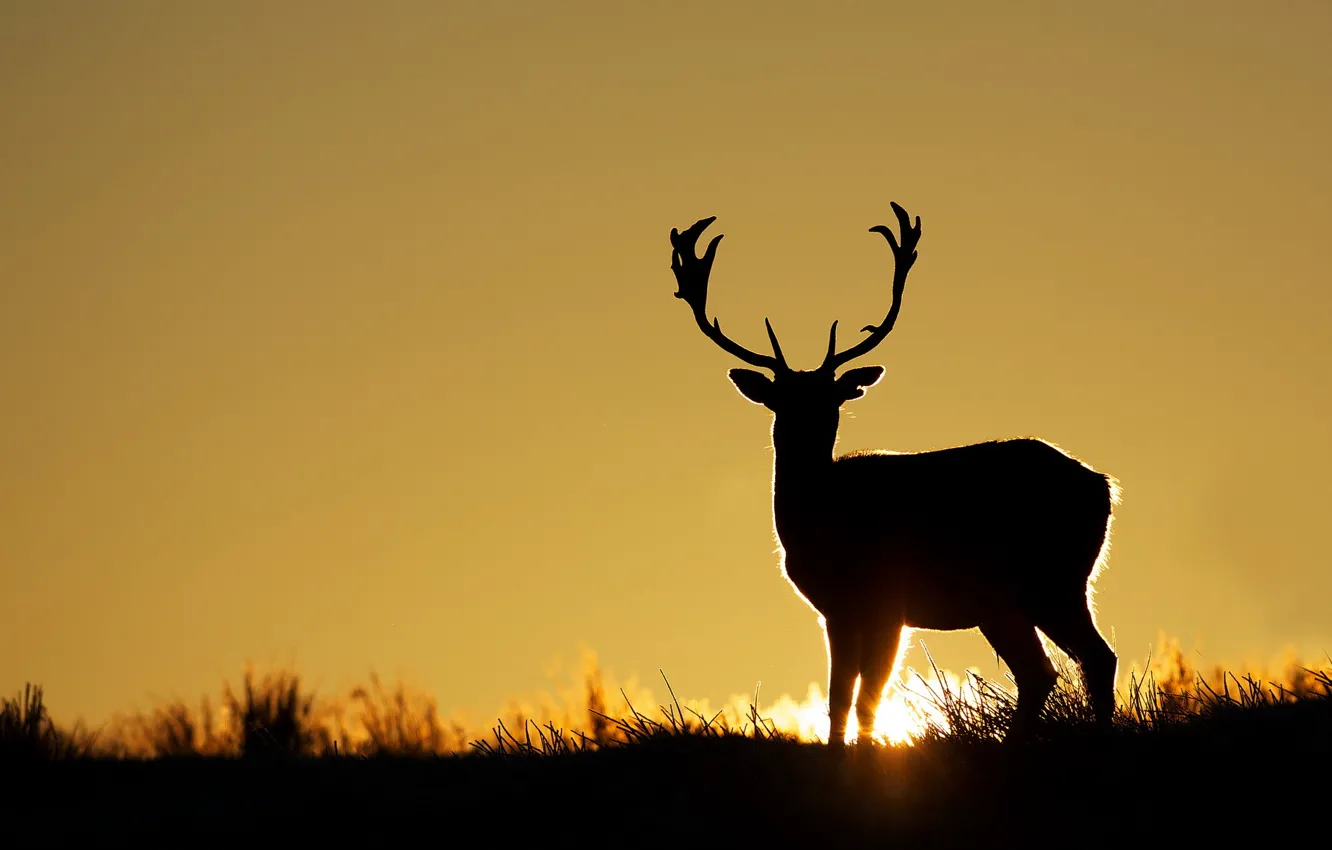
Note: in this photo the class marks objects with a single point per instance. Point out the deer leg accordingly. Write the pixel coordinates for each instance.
(878, 657)
(843, 661)
(1076, 634)
(1015, 639)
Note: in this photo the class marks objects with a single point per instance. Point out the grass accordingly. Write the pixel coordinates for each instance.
(1192, 755)
(27, 733)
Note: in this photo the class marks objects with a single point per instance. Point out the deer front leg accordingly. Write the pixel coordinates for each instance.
(843, 642)
(878, 654)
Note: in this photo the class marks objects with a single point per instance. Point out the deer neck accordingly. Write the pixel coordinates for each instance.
(802, 472)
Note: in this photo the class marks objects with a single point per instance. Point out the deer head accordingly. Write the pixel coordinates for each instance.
(806, 403)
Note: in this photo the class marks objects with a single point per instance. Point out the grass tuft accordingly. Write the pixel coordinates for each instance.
(27, 733)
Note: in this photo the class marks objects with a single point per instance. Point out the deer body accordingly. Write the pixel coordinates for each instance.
(1004, 536)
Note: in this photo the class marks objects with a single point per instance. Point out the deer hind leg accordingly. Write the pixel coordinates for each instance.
(878, 657)
(1014, 638)
(843, 664)
(1073, 631)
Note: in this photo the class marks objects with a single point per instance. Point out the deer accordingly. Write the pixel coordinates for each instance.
(1005, 536)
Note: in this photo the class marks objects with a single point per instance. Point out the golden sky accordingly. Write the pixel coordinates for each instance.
(342, 333)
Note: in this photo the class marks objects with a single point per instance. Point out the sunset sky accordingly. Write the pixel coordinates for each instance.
(341, 334)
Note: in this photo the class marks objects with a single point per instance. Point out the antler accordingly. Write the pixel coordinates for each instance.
(904, 256)
(691, 275)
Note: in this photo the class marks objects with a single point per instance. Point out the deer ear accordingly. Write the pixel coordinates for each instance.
(755, 386)
(854, 382)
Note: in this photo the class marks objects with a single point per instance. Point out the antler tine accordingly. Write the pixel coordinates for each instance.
(904, 255)
(691, 275)
(776, 348)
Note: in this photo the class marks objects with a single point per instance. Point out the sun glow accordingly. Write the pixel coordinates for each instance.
(909, 707)
(904, 714)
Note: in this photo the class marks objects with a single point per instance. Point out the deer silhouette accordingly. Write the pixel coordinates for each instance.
(1006, 536)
